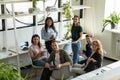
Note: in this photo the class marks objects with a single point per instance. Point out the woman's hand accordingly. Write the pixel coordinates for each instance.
(52, 36)
(42, 53)
(75, 42)
(92, 59)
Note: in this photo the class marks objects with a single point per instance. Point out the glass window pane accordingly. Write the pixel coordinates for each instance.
(54, 4)
(49, 3)
(20, 9)
(64, 2)
(111, 6)
(24, 21)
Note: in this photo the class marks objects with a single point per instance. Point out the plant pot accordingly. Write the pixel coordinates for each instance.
(34, 10)
(113, 25)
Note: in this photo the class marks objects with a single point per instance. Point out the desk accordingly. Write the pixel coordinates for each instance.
(11, 56)
(23, 54)
(8, 57)
(4, 55)
(108, 72)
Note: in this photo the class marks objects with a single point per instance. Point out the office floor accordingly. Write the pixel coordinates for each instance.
(27, 70)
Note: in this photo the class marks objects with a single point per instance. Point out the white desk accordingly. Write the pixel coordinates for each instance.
(11, 55)
(8, 57)
(109, 72)
(23, 54)
(4, 55)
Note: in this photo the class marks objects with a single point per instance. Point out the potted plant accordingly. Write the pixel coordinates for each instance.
(113, 20)
(9, 72)
(66, 7)
(34, 9)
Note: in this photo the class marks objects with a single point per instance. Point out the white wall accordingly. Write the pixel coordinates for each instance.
(93, 25)
(93, 21)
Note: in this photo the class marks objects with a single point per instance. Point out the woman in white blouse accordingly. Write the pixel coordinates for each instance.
(49, 33)
(37, 52)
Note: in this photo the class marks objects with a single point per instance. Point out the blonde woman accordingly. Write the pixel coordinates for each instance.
(94, 61)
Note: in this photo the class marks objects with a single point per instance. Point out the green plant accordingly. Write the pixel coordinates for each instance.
(67, 10)
(62, 78)
(113, 20)
(34, 3)
(9, 72)
(69, 26)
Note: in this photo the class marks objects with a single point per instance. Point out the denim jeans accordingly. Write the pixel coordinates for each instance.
(76, 48)
(40, 62)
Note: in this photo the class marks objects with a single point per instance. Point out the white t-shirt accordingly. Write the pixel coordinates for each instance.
(57, 58)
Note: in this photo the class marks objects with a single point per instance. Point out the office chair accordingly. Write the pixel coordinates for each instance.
(34, 69)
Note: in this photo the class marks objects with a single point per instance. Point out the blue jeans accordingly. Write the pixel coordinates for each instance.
(76, 48)
(40, 62)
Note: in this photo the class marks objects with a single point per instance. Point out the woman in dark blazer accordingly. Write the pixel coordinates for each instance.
(94, 61)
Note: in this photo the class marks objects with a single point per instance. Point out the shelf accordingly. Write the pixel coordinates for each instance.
(13, 1)
(5, 16)
(28, 14)
(80, 7)
(73, 8)
(19, 15)
(114, 30)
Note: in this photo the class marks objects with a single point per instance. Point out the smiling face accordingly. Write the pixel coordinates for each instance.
(95, 46)
(35, 40)
(55, 46)
(49, 22)
(88, 39)
(75, 20)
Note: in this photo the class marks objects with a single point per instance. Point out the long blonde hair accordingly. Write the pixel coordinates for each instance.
(100, 48)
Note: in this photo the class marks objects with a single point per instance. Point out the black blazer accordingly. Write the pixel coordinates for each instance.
(94, 65)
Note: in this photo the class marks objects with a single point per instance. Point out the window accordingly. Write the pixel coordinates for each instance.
(64, 2)
(110, 6)
(48, 3)
(23, 8)
(19, 8)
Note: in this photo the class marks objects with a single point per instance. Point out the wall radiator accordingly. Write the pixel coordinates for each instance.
(118, 47)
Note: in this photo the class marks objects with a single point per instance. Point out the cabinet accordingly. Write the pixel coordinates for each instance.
(114, 44)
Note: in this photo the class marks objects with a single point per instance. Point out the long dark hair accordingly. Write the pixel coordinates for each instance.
(52, 25)
(36, 35)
